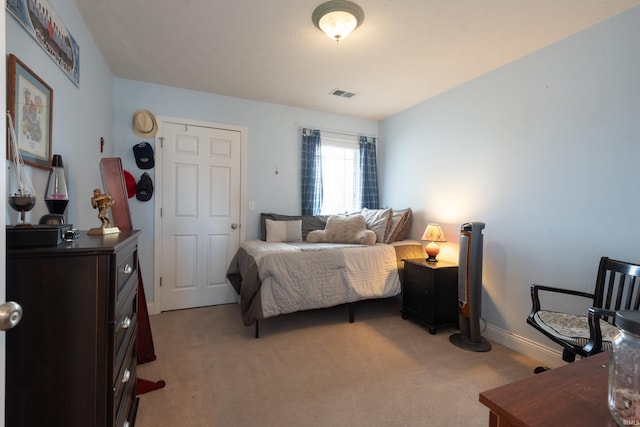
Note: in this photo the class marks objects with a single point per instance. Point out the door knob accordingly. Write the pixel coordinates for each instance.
(10, 315)
(234, 226)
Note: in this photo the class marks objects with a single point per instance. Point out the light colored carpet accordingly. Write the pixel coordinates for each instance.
(316, 369)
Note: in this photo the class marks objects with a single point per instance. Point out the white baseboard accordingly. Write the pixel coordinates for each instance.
(151, 308)
(549, 357)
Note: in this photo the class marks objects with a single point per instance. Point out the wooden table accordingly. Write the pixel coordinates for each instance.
(572, 395)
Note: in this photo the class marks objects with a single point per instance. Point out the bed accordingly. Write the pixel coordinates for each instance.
(310, 262)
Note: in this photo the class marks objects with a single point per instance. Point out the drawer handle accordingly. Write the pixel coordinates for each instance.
(126, 375)
(126, 322)
(127, 269)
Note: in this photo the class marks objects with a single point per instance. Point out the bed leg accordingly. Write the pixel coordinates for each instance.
(351, 315)
(257, 330)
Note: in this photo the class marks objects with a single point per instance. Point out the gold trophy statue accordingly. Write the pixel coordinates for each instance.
(102, 202)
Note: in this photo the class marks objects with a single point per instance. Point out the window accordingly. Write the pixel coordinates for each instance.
(340, 174)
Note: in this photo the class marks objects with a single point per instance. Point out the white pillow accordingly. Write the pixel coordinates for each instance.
(284, 231)
(378, 221)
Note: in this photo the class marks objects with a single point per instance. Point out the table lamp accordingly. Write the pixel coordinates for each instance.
(56, 196)
(432, 234)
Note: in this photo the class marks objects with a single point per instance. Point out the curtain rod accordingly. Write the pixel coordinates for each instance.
(340, 132)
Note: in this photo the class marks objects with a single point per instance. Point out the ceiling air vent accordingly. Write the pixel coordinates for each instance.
(342, 93)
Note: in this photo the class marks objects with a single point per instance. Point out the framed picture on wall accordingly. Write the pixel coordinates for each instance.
(30, 105)
(41, 20)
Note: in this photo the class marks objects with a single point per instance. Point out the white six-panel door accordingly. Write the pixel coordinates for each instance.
(200, 213)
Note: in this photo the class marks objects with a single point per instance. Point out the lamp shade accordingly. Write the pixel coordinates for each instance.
(337, 18)
(433, 233)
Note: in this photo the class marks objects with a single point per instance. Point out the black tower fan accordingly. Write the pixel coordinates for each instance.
(470, 289)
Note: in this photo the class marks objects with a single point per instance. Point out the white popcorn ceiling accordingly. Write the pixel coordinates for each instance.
(406, 51)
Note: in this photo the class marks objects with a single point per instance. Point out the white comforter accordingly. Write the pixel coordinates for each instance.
(302, 276)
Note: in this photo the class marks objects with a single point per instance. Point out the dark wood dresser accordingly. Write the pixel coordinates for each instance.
(575, 394)
(72, 359)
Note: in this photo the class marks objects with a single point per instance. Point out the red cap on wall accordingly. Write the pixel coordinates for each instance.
(131, 184)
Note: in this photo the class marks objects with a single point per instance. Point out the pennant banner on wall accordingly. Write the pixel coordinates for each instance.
(40, 20)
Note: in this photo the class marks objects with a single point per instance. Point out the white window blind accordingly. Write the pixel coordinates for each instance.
(340, 173)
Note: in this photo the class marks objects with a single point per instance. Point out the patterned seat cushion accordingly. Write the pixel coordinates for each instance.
(574, 329)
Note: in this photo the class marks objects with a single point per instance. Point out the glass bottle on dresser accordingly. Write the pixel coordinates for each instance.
(624, 370)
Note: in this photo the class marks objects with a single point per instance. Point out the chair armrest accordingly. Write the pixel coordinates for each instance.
(595, 334)
(535, 299)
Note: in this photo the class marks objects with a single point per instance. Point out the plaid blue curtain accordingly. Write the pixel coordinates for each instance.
(311, 172)
(368, 173)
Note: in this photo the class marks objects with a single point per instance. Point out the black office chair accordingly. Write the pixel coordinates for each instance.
(617, 288)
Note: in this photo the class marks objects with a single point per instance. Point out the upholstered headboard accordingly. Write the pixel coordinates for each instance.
(309, 222)
(398, 229)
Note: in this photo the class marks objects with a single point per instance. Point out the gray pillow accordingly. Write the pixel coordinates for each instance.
(309, 222)
(404, 231)
(400, 225)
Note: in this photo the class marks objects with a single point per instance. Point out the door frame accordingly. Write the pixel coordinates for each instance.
(157, 251)
(3, 196)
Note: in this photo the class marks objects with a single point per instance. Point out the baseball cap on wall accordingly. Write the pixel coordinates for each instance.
(144, 188)
(130, 181)
(143, 154)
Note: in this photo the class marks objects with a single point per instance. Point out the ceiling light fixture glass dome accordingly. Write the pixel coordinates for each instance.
(337, 18)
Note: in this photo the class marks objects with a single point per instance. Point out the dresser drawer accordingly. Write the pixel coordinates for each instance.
(124, 327)
(127, 268)
(126, 301)
(418, 275)
(124, 389)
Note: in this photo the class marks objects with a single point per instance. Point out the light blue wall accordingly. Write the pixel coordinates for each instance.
(544, 151)
(273, 141)
(103, 107)
(81, 115)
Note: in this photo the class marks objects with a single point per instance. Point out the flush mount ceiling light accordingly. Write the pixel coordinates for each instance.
(337, 18)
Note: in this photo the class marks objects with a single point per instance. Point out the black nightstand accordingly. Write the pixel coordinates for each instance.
(430, 293)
